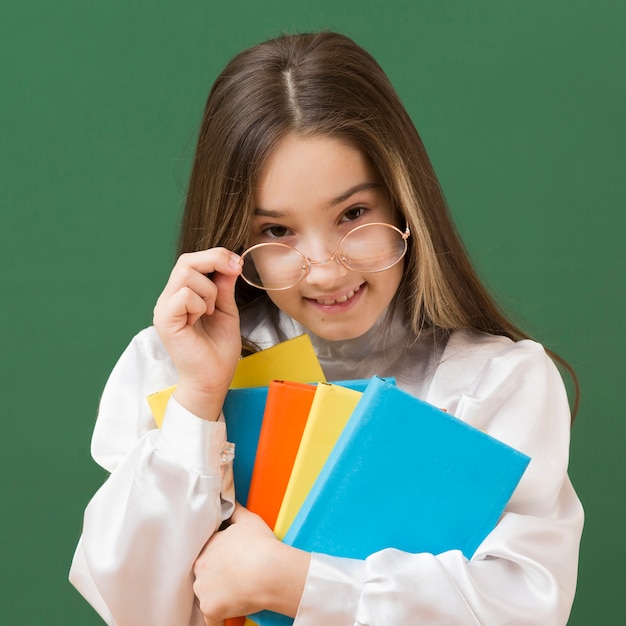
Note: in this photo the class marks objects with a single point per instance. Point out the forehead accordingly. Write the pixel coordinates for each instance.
(317, 170)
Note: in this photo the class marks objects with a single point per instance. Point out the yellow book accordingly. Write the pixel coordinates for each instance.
(293, 360)
(331, 408)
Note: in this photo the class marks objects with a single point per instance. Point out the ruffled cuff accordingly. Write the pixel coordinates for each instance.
(194, 443)
(332, 591)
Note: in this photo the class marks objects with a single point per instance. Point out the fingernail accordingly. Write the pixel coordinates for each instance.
(235, 261)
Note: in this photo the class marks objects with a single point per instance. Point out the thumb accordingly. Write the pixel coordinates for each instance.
(240, 514)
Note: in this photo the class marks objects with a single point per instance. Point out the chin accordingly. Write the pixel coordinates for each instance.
(327, 332)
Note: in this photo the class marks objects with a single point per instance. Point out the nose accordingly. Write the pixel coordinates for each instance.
(317, 246)
(325, 273)
(321, 253)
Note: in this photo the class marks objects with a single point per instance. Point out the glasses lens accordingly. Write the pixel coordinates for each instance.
(273, 266)
(372, 247)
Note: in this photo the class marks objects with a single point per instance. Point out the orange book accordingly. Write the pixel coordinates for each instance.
(286, 412)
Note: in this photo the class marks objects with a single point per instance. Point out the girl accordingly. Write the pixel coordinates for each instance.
(313, 207)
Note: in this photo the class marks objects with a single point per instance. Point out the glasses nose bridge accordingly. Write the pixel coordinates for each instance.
(334, 256)
(324, 249)
(324, 272)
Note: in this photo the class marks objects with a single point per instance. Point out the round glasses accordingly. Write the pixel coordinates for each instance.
(367, 248)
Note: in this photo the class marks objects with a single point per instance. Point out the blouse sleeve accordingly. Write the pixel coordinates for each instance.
(168, 491)
(524, 572)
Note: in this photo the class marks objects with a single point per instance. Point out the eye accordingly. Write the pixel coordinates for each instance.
(354, 213)
(275, 232)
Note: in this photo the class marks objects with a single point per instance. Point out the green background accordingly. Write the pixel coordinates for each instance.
(521, 106)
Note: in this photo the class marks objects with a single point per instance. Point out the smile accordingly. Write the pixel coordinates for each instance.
(340, 299)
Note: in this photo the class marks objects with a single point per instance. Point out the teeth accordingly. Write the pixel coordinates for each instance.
(339, 300)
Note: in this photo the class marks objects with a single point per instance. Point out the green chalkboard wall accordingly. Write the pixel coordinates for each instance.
(522, 107)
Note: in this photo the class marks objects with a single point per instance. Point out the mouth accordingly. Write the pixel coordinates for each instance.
(327, 301)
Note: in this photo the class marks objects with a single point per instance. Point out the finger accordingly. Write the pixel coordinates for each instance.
(242, 515)
(182, 309)
(184, 275)
(190, 271)
(173, 303)
(239, 514)
(209, 261)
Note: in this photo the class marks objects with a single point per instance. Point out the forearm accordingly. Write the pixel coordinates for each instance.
(523, 574)
(282, 589)
(148, 522)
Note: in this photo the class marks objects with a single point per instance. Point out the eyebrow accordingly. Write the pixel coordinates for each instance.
(334, 202)
(356, 189)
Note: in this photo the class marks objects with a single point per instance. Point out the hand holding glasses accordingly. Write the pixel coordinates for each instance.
(368, 248)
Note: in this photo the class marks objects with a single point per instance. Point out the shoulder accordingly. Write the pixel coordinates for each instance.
(510, 389)
(472, 359)
(513, 391)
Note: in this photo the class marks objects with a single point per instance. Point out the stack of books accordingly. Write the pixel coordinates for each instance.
(349, 468)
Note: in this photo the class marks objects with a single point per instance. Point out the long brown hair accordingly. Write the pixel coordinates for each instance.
(325, 84)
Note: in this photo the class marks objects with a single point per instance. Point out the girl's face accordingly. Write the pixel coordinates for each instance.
(312, 192)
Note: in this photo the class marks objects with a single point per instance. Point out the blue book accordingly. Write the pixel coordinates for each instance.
(404, 475)
(243, 412)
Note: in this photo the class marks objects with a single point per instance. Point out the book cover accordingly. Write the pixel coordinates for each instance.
(404, 474)
(243, 412)
(294, 359)
(331, 407)
(286, 411)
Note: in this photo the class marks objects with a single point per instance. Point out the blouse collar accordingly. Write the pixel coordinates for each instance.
(389, 349)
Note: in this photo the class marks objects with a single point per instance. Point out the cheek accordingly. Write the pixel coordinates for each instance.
(389, 282)
(283, 299)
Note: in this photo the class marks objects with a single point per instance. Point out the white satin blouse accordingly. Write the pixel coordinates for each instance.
(170, 489)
